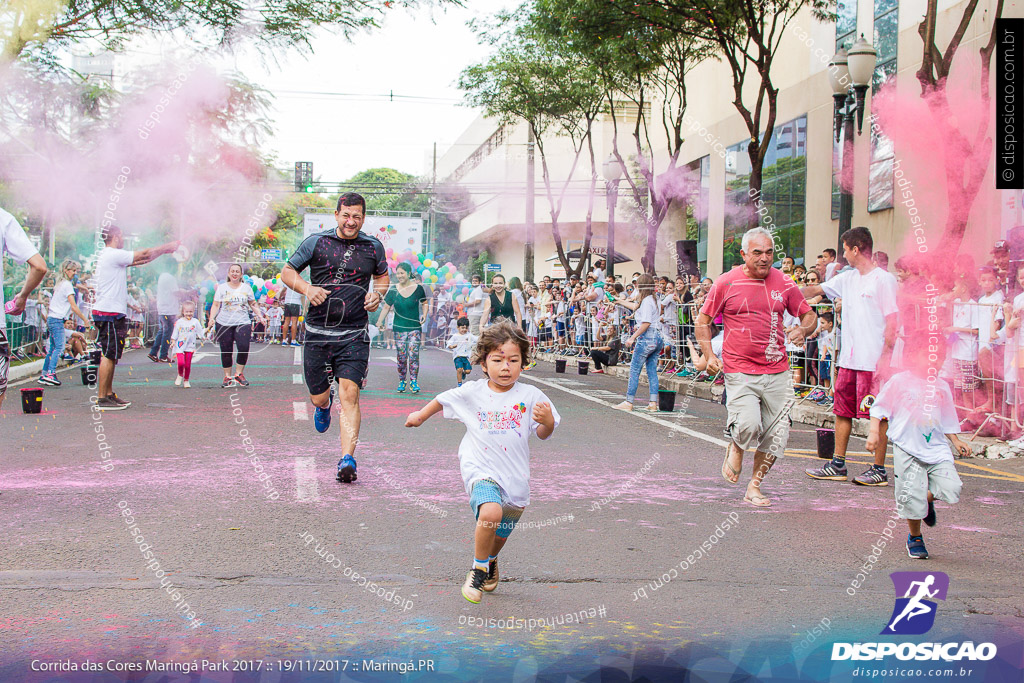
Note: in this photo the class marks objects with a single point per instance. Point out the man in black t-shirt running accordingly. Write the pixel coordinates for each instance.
(342, 264)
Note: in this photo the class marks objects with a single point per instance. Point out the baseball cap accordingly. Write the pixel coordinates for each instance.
(1001, 245)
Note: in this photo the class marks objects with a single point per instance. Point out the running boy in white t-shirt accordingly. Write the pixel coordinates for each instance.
(499, 414)
(463, 343)
(920, 412)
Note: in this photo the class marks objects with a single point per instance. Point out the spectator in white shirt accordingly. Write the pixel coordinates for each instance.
(15, 242)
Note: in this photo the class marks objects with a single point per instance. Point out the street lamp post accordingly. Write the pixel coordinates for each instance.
(855, 67)
(611, 170)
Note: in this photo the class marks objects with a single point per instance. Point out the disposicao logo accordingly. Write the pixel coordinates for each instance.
(914, 614)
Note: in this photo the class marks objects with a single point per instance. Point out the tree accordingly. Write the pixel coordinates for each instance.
(389, 190)
(48, 24)
(747, 35)
(641, 63)
(967, 158)
(536, 81)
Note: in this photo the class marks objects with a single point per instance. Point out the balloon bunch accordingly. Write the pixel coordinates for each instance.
(432, 271)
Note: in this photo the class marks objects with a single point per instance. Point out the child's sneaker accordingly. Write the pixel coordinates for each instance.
(188, 385)
(347, 469)
(929, 519)
(414, 386)
(915, 547)
(472, 590)
(401, 387)
(460, 384)
(491, 582)
(178, 380)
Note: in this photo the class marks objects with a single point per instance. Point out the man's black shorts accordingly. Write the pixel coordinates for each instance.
(112, 332)
(327, 358)
(292, 310)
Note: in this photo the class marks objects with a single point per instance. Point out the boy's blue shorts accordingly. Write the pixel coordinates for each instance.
(560, 328)
(824, 367)
(462, 363)
(488, 491)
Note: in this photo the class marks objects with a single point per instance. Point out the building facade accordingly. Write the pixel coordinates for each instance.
(800, 174)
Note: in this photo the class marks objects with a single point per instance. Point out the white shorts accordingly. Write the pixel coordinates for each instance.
(915, 478)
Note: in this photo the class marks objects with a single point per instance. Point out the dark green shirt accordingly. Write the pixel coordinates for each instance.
(407, 308)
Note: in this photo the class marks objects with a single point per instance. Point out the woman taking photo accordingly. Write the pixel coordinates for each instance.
(501, 303)
(408, 300)
(62, 304)
(231, 326)
(648, 340)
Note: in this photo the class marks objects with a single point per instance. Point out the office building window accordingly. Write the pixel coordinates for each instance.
(880, 179)
(697, 208)
(783, 191)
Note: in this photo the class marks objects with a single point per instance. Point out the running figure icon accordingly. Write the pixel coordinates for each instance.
(915, 607)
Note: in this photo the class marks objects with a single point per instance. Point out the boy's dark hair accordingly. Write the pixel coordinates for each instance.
(827, 315)
(830, 251)
(462, 321)
(351, 199)
(495, 336)
(860, 238)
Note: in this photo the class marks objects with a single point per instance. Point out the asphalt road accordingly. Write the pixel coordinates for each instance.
(607, 574)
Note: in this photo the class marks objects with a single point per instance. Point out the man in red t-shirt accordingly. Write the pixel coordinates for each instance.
(759, 389)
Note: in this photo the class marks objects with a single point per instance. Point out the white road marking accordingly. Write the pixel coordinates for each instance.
(296, 379)
(390, 358)
(306, 487)
(635, 413)
(297, 357)
(199, 355)
(299, 409)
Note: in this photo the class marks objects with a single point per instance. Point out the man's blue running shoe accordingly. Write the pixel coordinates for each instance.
(347, 469)
(322, 416)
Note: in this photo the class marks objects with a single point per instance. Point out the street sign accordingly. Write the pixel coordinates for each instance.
(270, 254)
(492, 267)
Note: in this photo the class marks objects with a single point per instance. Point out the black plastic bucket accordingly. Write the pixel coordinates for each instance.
(560, 364)
(583, 366)
(32, 400)
(666, 400)
(826, 443)
(95, 357)
(89, 374)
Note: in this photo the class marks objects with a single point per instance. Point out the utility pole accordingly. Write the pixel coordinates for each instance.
(528, 256)
(433, 195)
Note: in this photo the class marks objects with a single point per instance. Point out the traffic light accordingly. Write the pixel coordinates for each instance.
(304, 176)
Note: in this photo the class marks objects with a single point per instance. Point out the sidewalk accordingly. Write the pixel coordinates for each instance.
(803, 410)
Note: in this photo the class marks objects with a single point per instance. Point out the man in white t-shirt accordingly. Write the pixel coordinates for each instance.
(292, 312)
(475, 303)
(15, 242)
(867, 335)
(167, 304)
(109, 311)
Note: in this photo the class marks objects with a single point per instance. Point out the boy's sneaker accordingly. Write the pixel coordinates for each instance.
(178, 380)
(829, 471)
(472, 590)
(929, 519)
(460, 384)
(401, 387)
(491, 582)
(915, 547)
(107, 403)
(118, 399)
(240, 378)
(228, 382)
(816, 394)
(322, 416)
(872, 476)
(414, 386)
(347, 469)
